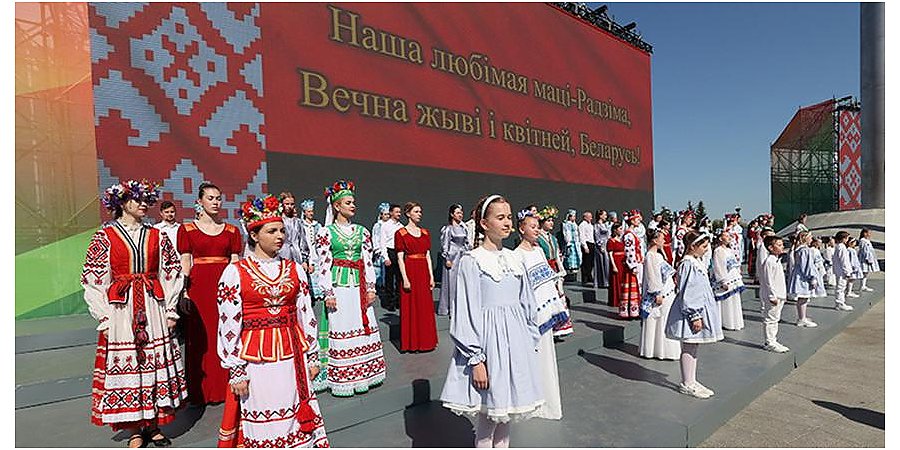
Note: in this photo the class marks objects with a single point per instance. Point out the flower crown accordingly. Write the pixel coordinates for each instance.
(143, 191)
(260, 211)
(339, 190)
(548, 212)
(308, 204)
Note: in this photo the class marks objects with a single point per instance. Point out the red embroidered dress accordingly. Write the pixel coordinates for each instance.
(267, 335)
(418, 330)
(207, 380)
(632, 276)
(131, 279)
(616, 250)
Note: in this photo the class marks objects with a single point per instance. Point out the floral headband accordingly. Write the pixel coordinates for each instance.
(521, 215)
(308, 204)
(548, 212)
(339, 190)
(117, 195)
(261, 211)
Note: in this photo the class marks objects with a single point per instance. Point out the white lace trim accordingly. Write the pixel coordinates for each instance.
(504, 415)
(499, 263)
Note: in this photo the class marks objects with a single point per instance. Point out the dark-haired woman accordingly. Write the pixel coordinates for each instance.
(131, 279)
(207, 246)
(454, 241)
(418, 332)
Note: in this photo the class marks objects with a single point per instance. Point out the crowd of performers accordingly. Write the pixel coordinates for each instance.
(280, 308)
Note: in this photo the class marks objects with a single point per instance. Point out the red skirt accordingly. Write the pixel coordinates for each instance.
(630, 302)
(207, 381)
(418, 330)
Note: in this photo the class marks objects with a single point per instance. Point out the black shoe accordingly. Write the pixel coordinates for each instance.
(162, 442)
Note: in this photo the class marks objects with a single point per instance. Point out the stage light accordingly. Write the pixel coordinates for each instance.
(629, 27)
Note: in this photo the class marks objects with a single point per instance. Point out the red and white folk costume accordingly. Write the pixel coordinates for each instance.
(267, 336)
(630, 302)
(131, 279)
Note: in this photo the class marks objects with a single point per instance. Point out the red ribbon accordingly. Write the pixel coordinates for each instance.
(138, 283)
(363, 301)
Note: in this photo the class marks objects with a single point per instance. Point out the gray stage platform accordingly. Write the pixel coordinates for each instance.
(611, 397)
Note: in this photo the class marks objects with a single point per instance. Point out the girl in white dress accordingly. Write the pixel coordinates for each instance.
(659, 293)
(728, 282)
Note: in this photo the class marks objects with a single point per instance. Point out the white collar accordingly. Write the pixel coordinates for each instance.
(496, 264)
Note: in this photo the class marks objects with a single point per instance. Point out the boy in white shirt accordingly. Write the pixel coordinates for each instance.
(772, 293)
(840, 263)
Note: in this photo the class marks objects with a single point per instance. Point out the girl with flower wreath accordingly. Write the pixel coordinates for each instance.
(266, 340)
(131, 279)
(347, 278)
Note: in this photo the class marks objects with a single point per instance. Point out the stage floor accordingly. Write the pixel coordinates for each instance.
(611, 397)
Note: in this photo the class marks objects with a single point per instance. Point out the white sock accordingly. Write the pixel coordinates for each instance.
(863, 283)
(688, 363)
(501, 435)
(484, 432)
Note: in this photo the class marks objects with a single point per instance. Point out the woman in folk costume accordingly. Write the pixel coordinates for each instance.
(804, 281)
(345, 272)
(418, 330)
(548, 243)
(494, 373)
(867, 257)
(207, 245)
(454, 241)
(267, 341)
(616, 249)
(572, 249)
(601, 256)
(733, 226)
(685, 224)
(551, 310)
(630, 305)
(131, 279)
(311, 228)
(728, 282)
(659, 293)
(753, 230)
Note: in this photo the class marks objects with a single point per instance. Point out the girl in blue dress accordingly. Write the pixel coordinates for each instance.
(494, 371)
(694, 318)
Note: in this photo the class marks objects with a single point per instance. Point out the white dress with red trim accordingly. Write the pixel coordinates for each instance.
(267, 336)
(345, 271)
(131, 279)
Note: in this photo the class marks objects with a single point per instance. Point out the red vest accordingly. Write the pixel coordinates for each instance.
(133, 264)
(270, 313)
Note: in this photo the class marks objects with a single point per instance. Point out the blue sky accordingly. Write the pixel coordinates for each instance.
(726, 80)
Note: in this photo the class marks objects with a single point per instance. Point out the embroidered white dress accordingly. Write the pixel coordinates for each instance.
(728, 283)
(550, 312)
(658, 280)
(131, 279)
(268, 337)
(345, 271)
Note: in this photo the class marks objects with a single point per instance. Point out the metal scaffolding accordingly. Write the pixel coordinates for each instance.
(55, 152)
(804, 162)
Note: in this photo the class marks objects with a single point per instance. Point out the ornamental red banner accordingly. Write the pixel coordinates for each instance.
(849, 154)
(511, 89)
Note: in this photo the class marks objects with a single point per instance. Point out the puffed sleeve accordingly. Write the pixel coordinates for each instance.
(323, 269)
(184, 240)
(631, 251)
(237, 244)
(306, 317)
(445, 242)
(688, 280)
(720, 264)
(652, 275)
(228, 296)
(170, 274)
(367, 253)
(466, 317)
(96, 278)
